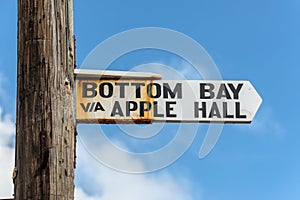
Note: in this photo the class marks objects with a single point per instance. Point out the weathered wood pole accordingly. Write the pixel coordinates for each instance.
(45, 115)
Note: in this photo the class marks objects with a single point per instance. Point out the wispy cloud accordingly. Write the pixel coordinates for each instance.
(6, 99)
(6, 154)
(265, 122)
(2, 81)
(174, 69)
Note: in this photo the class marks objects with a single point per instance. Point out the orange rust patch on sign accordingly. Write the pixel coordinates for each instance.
(113, 101)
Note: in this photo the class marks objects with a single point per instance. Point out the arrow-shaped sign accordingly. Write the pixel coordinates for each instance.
(143, 100)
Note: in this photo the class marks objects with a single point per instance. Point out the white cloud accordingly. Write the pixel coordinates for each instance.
(6, 155)
(96, 182)
(80, 194)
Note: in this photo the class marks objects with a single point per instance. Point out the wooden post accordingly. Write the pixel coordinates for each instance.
(44, 162)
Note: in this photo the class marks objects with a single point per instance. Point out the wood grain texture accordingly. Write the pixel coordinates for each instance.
(45, 115)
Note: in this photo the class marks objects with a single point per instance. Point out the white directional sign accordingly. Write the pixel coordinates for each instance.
(140, 100)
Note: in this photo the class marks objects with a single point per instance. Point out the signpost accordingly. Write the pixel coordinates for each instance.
(45, 132)
(131, 97)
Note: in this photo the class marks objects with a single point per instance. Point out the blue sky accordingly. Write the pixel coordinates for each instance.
(256, 40)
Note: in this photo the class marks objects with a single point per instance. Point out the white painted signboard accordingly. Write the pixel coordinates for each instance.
(142, 100)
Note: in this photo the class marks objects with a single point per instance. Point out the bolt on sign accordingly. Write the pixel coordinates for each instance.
(120, 97)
